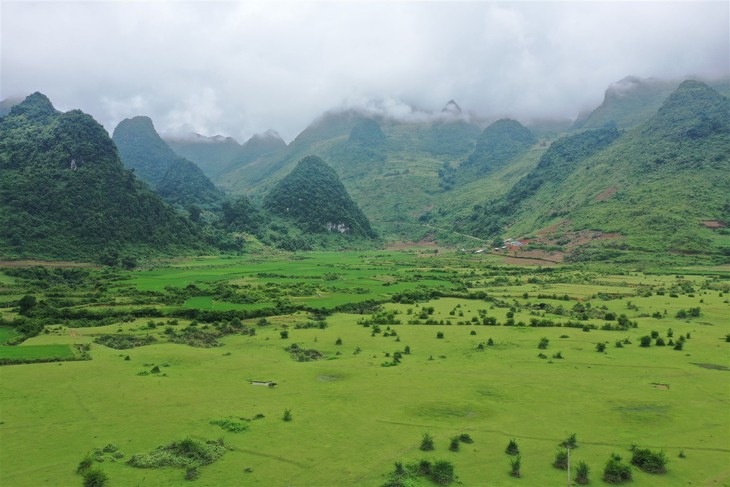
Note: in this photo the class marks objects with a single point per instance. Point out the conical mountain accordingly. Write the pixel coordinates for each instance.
(65, 193)
(499, 143)
(314, 198)
(175, 178)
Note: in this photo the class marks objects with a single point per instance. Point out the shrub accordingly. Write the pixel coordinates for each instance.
(284, 334)
(512, 448)
(558, 355)
(616, 472)
(581, 473)
(192, 473)
(424, 467)
(454, 445)
(490, 342)
(679, 345)
(442, 472)
(601, 347)
(84, 464)
(287, 415)
(440, 334)
(516, 464)
(426, 442)
(473, 332)
(155, 370)
(543, 343)
(561, 460)
(649, 461)
(645, 341)
(660, 342)
(338, 341)
(230, 424)
(95, 478)
(465, 438)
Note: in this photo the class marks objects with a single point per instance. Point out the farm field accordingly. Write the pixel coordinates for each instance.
(404, 343)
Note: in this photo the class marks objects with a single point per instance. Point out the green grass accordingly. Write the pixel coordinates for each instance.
(36, 352)
(352, 417)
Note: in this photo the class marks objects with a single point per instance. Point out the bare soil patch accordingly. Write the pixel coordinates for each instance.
(713, 224)
(607, 193)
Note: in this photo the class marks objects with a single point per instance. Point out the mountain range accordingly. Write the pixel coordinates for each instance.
(646, 172)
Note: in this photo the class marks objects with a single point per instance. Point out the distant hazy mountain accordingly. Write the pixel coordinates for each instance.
(313, 197)
(175, 178)
(65, 193)
(211, 154)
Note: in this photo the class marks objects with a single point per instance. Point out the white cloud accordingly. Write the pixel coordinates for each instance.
(237, 68)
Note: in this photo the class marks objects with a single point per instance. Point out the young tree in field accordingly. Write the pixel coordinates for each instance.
(561, 460)
(512, 448)
(650, 461)
(616, 472)
(442, 472)
(570, 442)
(95, 478)
(581, 473)
(287, 415)
(426, 442)
(454, 445)
(516, 466)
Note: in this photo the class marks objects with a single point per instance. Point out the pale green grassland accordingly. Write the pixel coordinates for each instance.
(352, 417)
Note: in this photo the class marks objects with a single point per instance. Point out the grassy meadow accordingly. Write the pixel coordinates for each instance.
(210, 326)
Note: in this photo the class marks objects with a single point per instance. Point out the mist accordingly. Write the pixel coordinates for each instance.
(237, 69)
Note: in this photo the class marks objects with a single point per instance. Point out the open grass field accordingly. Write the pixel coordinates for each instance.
(353, 412)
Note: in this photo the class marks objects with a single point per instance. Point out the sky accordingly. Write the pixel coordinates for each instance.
(239, 68)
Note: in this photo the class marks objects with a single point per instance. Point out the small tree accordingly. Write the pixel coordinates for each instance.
(454, 445)
(26, 304)
(95, 478)
(338, 341)
(426, 442)
(516, 464)
(601, 347)
(543, 343)
(570, 442)
(645, 341)
(561, 460)
(440, 334)
(581, 473)
(287, 415)
(616, 472)
(512, 448)
(284, 334)
(649, 461)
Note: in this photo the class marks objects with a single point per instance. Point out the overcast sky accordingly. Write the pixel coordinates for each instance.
(237, 68)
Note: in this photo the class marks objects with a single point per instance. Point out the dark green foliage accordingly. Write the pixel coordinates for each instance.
(581, 473)
(454, 444)
(191, 473)
(303, 354)
(442, 472)
(287, 415)
(512, 448)
(84, 464)
(426, 442)
(543, 343)
(313, 197)
(649, 461)
(284, 334)
(465, 438)
(95, 478)
(124, 342)
(601, 347)
(570, 442)
(241, 216)
(516, 466)
(561, 460)
(234, 425)
(497, 145)
(174, 178)
(645, 341)
(26, 304)
(439, 334)
(187, 453)
(615, 471)
(64, 192)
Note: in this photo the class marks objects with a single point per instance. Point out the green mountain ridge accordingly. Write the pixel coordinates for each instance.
(651, 187)
(176, 179)
(65, 193)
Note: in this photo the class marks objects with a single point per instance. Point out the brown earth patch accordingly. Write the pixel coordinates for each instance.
(713, 224)
(607, 193)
